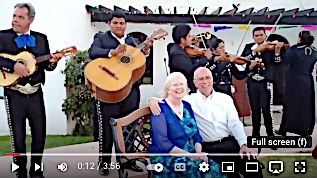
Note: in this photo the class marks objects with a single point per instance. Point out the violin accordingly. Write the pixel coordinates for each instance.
(271, 45)
(194, 51)
(238, 60)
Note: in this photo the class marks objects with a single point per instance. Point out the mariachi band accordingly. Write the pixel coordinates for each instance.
(261, 58)
(24, 98)
(224, 67)
(261, 61)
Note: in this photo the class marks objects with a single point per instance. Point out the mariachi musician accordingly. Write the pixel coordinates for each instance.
(225, 68)
(181, 51)
(260, 79)
(198, 43)
(25, 99)
(106, 45)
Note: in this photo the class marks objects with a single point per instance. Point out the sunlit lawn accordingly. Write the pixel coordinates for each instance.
(52, 141)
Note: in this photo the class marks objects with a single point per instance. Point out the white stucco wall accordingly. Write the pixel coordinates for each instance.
(67, 24)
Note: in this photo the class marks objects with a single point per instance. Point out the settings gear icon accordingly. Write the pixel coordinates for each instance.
(203, 167)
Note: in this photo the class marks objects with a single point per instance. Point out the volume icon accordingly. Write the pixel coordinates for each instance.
(62, 167)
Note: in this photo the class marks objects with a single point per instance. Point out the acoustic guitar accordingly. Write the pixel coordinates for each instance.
(110, 79)
(26, 58)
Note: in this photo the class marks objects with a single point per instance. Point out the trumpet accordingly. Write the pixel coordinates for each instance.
(199, 37)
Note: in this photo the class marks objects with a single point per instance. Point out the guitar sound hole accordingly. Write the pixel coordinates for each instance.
(125, 59)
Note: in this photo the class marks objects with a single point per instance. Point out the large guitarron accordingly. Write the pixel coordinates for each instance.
(26, 58)
(110, 79)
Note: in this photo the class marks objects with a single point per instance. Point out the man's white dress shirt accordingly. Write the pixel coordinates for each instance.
(216, 117)
(27, 33)
(121, 41)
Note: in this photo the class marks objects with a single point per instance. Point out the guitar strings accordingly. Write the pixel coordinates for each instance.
(129, 56)
(120, 65)
(123, 63)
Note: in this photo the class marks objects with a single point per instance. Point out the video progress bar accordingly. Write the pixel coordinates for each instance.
(147, 154)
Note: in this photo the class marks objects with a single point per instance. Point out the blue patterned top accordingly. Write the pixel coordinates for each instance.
(167, 131)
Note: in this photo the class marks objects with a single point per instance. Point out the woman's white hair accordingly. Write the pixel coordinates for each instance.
(168, 82)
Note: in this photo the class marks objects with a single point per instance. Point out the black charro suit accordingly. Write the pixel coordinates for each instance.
(102, 45)
(259, 91)
(222, 76)
(179, 61)
(21, 106)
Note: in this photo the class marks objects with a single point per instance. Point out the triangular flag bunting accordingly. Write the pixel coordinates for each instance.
(217, 28)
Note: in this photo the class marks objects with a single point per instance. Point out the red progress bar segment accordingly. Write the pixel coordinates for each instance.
(11, 154)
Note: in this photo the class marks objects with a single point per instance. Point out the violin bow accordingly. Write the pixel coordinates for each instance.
(244, 36)
(197, 26)
(274, 27)
(270, 85)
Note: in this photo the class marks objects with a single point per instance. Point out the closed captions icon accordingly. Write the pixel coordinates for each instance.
(180, 167)
(62, 167)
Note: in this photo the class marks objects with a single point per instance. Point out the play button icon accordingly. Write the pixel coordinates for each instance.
(14, 167)
(158, 167)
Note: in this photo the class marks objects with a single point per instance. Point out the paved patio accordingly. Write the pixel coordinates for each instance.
(73, 162)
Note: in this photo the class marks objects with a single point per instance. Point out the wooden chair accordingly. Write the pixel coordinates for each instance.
(138, 138)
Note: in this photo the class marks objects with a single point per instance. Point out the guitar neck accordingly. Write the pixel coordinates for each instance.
(141, 46)
(43, 58)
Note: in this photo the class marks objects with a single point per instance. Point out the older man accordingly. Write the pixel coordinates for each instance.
(25, 99)
(218, 123)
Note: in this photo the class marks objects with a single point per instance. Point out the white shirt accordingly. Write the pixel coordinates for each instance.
(216, 117)
(121, 41)
(27, 33)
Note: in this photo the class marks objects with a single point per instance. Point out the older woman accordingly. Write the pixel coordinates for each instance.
(175, 133)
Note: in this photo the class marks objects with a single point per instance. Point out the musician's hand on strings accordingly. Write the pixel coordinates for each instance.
(220, 58)
(279, 44)
(261, 47)
(56, 57)
(21, 70)
(207, 53)
(253, 63)
(148, 43)
(120, 49)
(278, 47)
(233, 57)
(223, 56)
